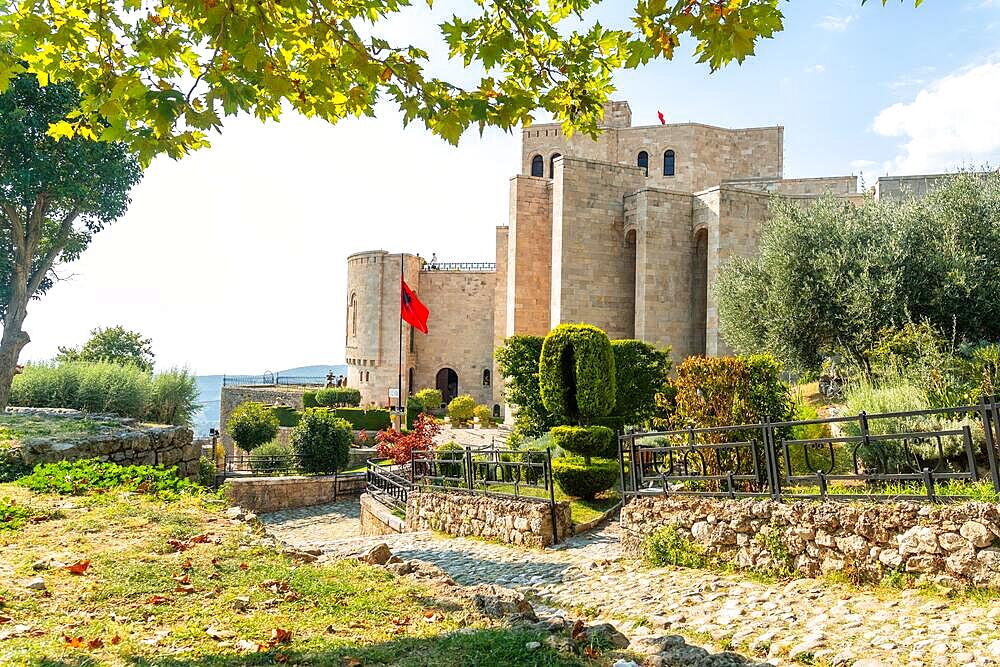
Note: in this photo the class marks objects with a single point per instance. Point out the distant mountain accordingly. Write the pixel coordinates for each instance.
(210, 389)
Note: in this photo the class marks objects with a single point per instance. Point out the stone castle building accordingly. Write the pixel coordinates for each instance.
(626, 232)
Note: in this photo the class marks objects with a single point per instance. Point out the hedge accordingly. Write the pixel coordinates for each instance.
(322, 440)
(287, 416)
(586, 441)
(367, 420)
(582, 480)
(641, 371)
(576, 373)
(338, 396)
(309, 399)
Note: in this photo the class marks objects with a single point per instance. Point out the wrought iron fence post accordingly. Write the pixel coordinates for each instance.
(550, 480)
(413, 469)
(821, 476)
(988, 416)
(621, 466)
(928, 483)
(468, 468)
(770, 457)
(634, 465)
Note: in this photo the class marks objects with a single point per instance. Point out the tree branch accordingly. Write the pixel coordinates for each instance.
(46, 262)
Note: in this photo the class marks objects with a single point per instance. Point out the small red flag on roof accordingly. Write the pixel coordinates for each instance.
(411, 309)
(663, 121)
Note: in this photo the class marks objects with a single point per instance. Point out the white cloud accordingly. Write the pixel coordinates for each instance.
(836, 23)
(818, 69)
(950, 123)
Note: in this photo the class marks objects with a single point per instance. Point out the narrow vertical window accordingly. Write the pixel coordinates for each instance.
(668, 163)
(552, 164)
(487, 377)
(643, 162)
(354, 314)
(538, 166)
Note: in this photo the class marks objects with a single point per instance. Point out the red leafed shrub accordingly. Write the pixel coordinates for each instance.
(399, 447)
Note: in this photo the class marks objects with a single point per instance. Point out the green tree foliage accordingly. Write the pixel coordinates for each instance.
(580, 479)
(116, 345)
(577, 373)
(586, 441)
(462, 409)
(338, 396)
(161, 76)
(832, 276)
(54, 195)
(517, 361)
(322, 440)
(251, 425)
(641, 371)
(429, 399)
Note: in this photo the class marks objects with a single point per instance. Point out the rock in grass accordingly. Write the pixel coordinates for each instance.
(499, 602)
(36, 584)
(533, 646)
(377, 555)
(607, 635)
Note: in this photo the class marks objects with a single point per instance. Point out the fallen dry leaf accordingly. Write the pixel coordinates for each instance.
(96, 642)
(433, 616)
(280, 636)
(117, 639)
(186, 589)
(79, 567)
(291, 596)
(186, 565)
(21, 630)
(73, 642)
(5, 619)
(591, 652)
(351, 661)
(244, 566)
(181, 578)
(579, 631)
(247, 645)
(157, 599)
(218, 634)
(280, 658)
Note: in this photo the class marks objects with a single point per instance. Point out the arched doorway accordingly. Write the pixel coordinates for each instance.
(447, 384)
(699, 293)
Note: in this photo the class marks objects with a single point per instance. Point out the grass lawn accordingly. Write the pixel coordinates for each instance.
(18, 428)
(583, 510)
(179, 584)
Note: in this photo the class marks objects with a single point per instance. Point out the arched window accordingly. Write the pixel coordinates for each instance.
(409, 383)
(487, 377)
(413, 342)
(643, 162)
(668, 163)
(354, 314)
(552, 164)
(538, 166)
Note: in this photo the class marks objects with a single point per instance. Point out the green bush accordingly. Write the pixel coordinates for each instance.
(461, 409)
(450, 451)
(576, 373)
(364, 420)
(13, 516)
(579, 479)
(667, 547)
(309, 399)
(269, 457)
(641, 372)
(586, 441)
(173, 397)
(12, 465)
(252, 424)
(485, 415)
(518, 362)
(287, 416)
(430, 399)
(169, 397)
(88, 475)
(206, 472)
(333, 397)
(323, 440)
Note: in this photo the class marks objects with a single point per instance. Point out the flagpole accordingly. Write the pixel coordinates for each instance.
(399, 377)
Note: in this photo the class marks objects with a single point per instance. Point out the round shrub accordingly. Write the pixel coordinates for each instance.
(576, 373)
(484, 413)
(251, 425)
(461, 409)
(206, 472)
(430, 399)
(270, 457)
(322, 440)
(338, 396)
(309, 399)
(580, 480)
(449, 451)
(586, 441)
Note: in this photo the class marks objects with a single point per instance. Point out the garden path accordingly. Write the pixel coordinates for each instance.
(804, 621)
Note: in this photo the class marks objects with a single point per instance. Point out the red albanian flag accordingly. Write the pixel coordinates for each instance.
(663, 121)
(411, 309)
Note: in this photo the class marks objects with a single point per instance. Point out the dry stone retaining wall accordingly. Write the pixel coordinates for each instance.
(952, 543)
(377, 519)
(523, 522)
(124, 441)
(271, 494)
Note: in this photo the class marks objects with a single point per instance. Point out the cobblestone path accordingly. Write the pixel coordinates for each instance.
(804, 621)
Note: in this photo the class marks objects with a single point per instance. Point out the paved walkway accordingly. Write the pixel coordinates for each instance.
(804, 621)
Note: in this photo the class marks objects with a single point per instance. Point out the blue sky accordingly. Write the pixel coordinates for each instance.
(233, 259)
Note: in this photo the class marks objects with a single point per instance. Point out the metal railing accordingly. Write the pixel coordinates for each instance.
(459, 266)
(896, 451)
(272, 380)
(388, 484)
(508, 473)
(249, 464)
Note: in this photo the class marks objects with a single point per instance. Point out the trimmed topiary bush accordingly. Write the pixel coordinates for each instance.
(309, 399)
(461, 409)
(430, 399)
(485, 415)
(332, 397)
(322, 440)
(450, 451)
(251, 425)
(270, 457)
(582, 480)
(364, 420)
(576, 373)
(586, 441)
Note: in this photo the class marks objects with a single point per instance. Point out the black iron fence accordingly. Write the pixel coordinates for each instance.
(459, 266)
(388, 483)
(900, 455)
(251, 464)
(272, 380)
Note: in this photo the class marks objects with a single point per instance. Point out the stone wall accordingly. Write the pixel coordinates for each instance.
(124, 441)
(233, 396)
(270, 494)
(377, 519)
(528, 270)
(951, 543)
(522, 522)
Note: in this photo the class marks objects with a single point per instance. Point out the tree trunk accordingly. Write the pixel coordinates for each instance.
(11, 344)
